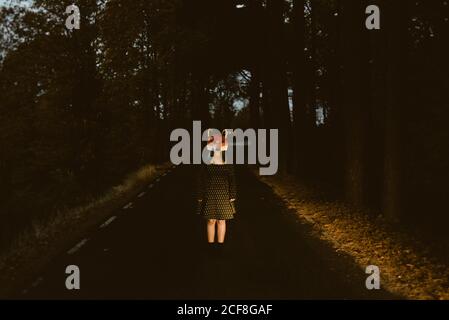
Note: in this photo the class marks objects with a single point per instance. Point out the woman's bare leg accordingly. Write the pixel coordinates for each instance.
(211, 230)
(221, 230)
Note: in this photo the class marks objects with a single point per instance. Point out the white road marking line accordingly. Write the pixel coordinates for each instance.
(77, 247)
(37, 282)
(141, 194)
(128, 206)
(108, 222)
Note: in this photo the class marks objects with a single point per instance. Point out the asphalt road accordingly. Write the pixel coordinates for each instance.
(154, 248)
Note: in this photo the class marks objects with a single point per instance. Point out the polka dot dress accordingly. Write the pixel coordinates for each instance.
(216, 186)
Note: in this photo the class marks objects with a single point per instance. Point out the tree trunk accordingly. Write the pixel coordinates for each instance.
(396, 48)
(354, 115)
(277, 86)
(299, 89)
(254, 99)
(336, 116)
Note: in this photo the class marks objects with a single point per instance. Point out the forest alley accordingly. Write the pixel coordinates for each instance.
(154, 248)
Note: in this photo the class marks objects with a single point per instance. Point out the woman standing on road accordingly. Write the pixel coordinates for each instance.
(216, 191)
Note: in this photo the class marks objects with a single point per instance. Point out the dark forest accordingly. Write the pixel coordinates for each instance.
(362, 114)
